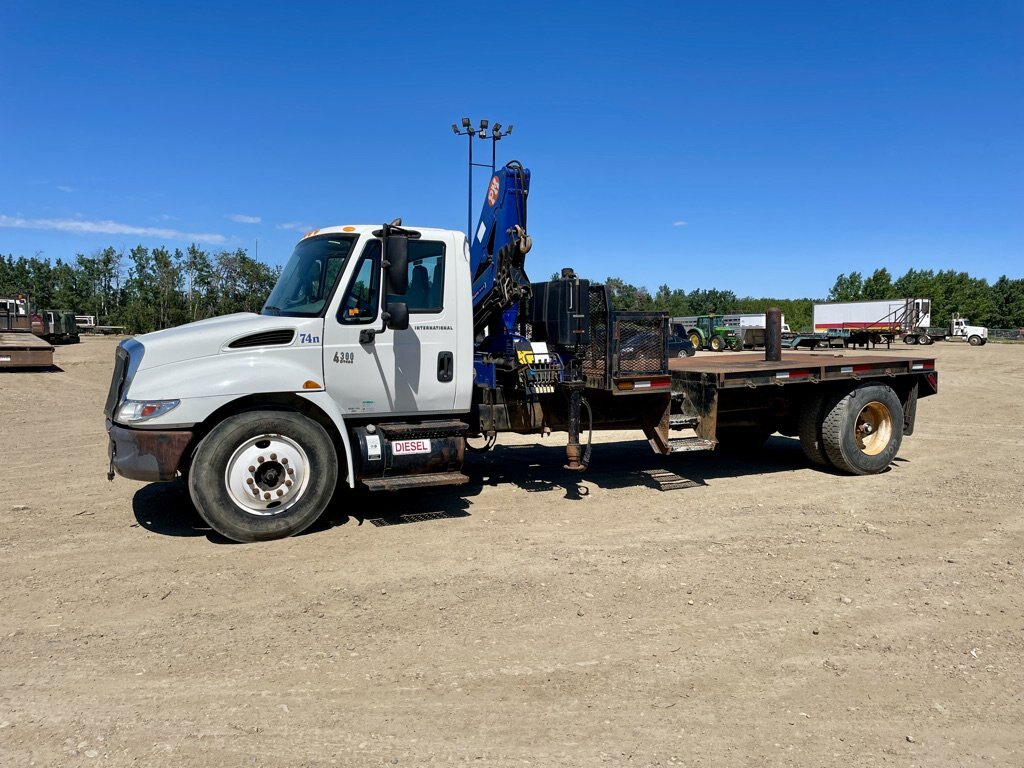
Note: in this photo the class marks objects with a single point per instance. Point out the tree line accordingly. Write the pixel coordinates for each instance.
(142, 289)
(146, 289)
(996, 305)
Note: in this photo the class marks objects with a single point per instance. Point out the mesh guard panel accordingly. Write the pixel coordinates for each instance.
(594, 356)
(642, 343)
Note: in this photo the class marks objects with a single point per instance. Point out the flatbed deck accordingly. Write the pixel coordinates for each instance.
(24, 350)
(745, 370)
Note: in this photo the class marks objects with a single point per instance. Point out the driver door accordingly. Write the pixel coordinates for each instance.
(392, 373)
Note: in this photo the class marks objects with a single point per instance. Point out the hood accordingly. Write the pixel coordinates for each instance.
(213, 336)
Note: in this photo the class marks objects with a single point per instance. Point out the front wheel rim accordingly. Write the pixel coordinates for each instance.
(267, 475)
(874, 428)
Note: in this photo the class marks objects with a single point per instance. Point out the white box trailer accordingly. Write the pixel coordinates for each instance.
(860, 322)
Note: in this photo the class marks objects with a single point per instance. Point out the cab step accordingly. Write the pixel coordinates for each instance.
(400, 482)
(682, 444)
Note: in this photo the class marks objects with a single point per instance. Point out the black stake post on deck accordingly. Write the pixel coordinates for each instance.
(773, 335)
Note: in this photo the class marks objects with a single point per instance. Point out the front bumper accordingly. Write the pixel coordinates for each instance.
(146, 454)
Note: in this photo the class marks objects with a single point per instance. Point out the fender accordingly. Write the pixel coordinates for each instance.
(325, 403)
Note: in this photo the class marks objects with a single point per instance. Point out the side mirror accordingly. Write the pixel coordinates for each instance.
(396, 263)
(397, 318)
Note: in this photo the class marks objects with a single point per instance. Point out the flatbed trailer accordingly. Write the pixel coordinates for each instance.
(24, 350)
(807, 341)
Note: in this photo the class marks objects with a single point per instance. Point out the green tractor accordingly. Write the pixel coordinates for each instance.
(705, 333)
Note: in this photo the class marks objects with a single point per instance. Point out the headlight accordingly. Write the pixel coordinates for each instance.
(134, 411)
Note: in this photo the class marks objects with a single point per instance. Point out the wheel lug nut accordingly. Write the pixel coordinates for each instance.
(280, 492)
(288, 483)
(291, 471)
(249, 480)
(284, 460)
(260, 459)
(266, 496)
(273, 457)
(252, 469)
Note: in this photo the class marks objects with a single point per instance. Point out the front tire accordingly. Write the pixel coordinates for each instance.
(717, 343)
(695, 340)
(862, 431)
(263, 475)
(975, 341)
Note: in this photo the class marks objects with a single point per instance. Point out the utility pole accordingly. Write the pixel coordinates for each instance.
(495, 135)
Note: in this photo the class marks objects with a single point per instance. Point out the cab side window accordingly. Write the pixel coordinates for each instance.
(426, 278)
(359, 305)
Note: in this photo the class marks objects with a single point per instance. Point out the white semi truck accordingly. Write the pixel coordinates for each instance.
(382, 349)
(960, 329)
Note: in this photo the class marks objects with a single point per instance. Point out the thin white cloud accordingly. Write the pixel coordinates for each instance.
(680, 223)
(65, 188)
(241, 218)
(107, 227)
(298, 226)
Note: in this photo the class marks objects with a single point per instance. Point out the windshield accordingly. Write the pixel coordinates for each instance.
(308, 278)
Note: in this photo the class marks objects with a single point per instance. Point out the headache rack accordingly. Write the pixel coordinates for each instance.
(622, 344)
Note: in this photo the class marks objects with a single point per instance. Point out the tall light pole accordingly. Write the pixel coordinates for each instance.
(495, 135)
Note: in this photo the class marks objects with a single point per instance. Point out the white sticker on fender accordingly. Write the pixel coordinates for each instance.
(407, 447)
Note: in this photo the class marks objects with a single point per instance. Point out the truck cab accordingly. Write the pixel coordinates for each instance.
(332, 343)
(975, 335)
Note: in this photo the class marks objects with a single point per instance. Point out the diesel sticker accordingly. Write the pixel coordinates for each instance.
(409, 447)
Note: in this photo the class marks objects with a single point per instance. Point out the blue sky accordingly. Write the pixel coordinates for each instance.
(762, 147)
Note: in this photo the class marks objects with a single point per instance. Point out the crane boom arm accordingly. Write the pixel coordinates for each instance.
(498, 249)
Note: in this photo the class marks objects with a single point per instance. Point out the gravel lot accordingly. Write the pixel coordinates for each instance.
(697, 611)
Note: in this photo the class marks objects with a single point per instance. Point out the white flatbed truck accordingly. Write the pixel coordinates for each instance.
(382, 349)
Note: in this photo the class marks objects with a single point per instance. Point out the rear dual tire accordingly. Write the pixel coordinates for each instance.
(809, 430)
(859, 432)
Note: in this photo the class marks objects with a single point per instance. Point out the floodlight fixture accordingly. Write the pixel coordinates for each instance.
(495, 134)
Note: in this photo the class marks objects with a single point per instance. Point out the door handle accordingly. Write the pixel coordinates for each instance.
(445, 366)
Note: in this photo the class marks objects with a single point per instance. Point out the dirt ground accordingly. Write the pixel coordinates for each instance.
(697, 611)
